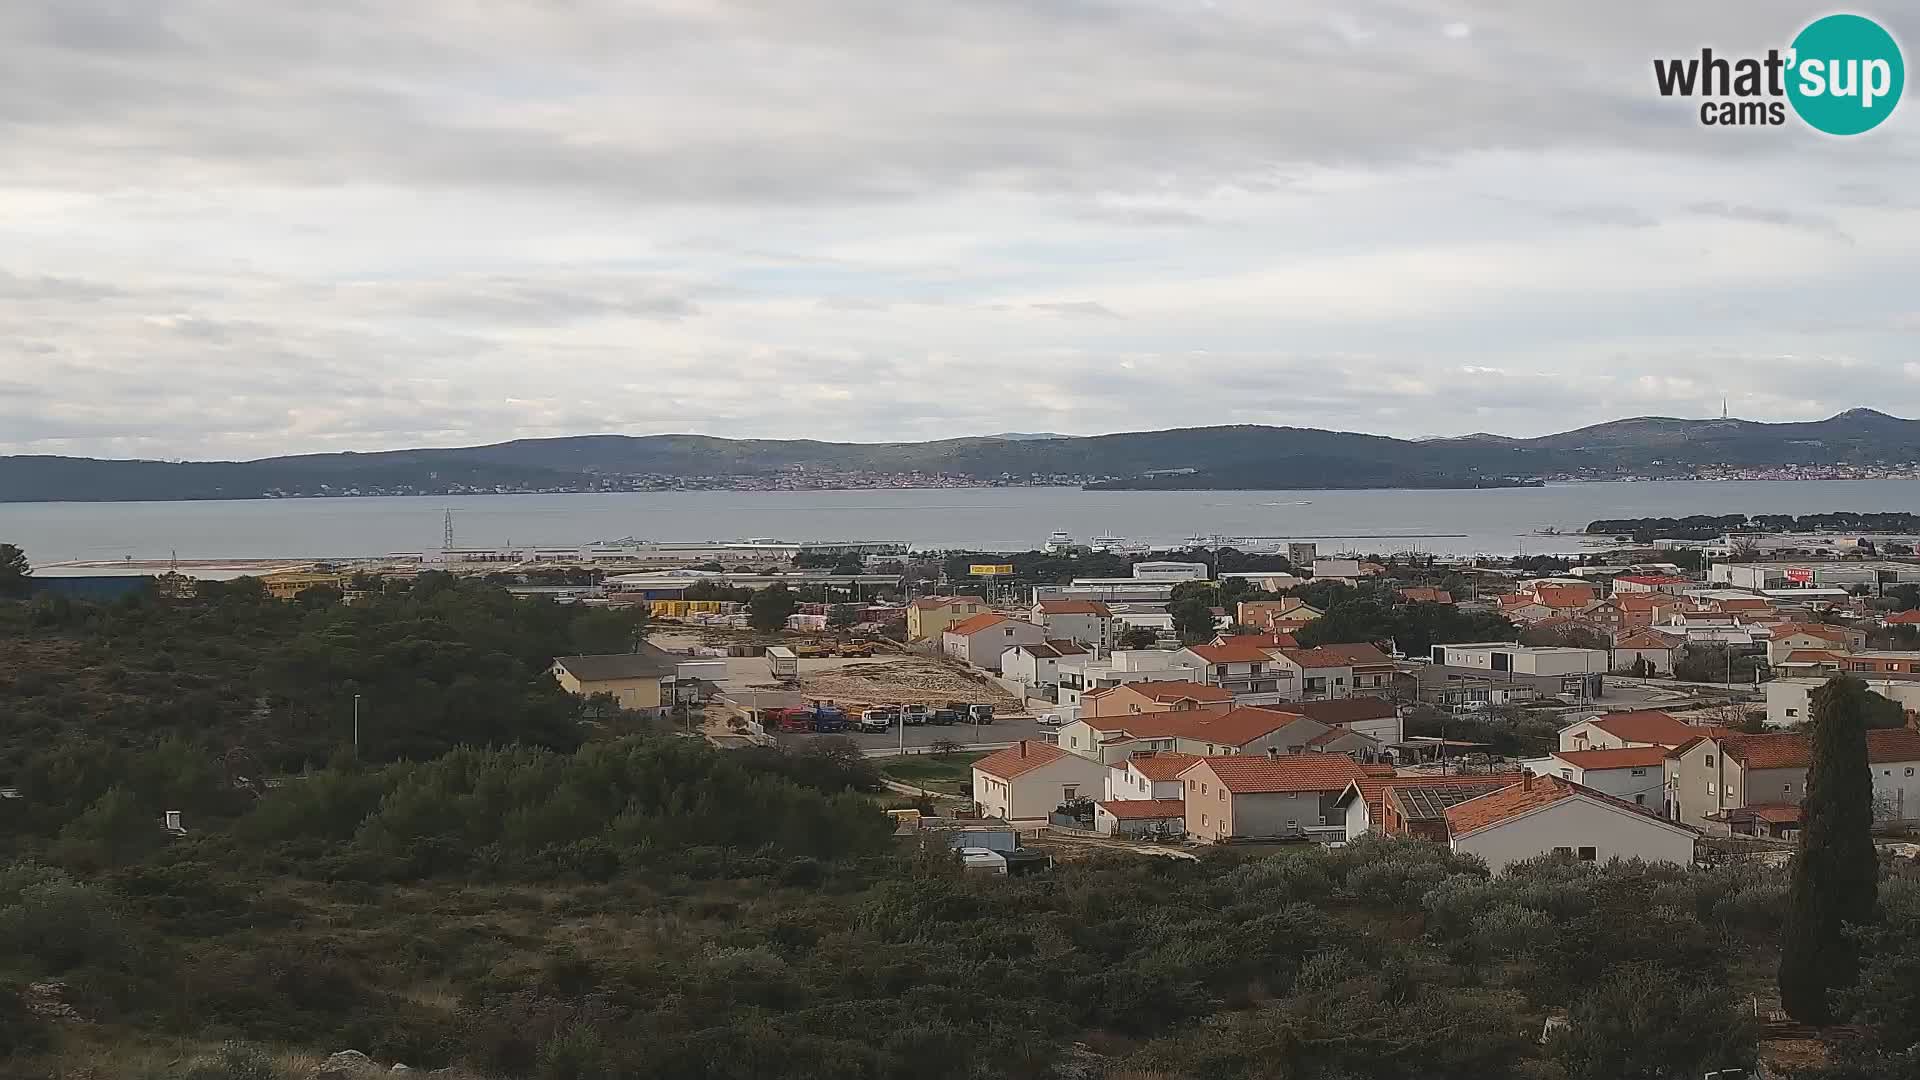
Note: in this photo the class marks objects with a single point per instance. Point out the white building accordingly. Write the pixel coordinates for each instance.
(1038, 664)
(1551, 815)
(1088, 622)
(982, 640)
(1079, 674)
(1026, 781)
(1339, 569)
(1170, 571)
(1790, 701)
(1635, 774)
(1522, 659)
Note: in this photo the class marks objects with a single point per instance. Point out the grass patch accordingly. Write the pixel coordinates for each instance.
(952, 774)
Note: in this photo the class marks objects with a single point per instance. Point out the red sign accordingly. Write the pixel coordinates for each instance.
(1800, 574)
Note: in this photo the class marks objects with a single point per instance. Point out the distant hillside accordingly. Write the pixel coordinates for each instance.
(1248, 457)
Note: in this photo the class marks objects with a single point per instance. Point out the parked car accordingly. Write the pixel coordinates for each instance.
(875, 721)
(1050, 719)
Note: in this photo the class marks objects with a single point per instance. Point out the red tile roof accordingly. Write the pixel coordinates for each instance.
(1254, 775)
(1789, 750)
(1514, 800)
(1902, 618)
(1020, 759)
(1645, 638)
(1639, 601)
(1362, 654)
(1074, 607)
(969, 627)
(1145, 809)
(1819, 630)
(1632, 757)
(1813, 656)
(1325, 656)
(1647, 726)
(1236, 727)
(1177, 690)
(1373, 788)
(1338, 711)
(1260, 641)
(1161, 764)
(1426, 596)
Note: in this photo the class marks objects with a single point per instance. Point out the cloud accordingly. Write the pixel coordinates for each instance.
(242, 229)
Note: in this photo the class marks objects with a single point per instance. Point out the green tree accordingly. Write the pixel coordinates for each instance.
(1641, 1021)
(1192, 620)
(769, 608)
(114, 831)
(842, 615)
(1138, 637)
(609, 630)
(1835, 872)
(15, 574)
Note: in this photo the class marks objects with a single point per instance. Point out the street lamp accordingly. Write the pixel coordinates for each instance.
(356, 725)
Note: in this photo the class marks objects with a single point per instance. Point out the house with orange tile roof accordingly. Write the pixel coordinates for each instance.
(1264, 614)
(1168, 695)
(1140, 817)
(983, 639)
(1652, 583)
(1039, 665)
(1713, 774)
(1027, 780)
(1412, 805)
(1148, 774)
(1658, 650)
(1811, 663)
(1113, 739)
(1424, 595)
(1901, 618)
(1552, 815)
(1883, 662)
(1375, 717)
(1250, 798)
(1643, 727)
(929, 616)
(1636, 774)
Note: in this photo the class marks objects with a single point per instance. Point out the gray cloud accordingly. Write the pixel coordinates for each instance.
(233, 229)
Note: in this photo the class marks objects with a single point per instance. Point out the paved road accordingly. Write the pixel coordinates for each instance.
(985, 736)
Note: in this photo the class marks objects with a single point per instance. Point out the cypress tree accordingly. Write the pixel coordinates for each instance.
(1835, 870)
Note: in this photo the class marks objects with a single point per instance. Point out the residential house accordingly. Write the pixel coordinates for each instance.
(1290, 611)
(1615, 731)
(1372, 671)
(639, 680)
(982, 640)
(1714, 774)
(1114, 739)
(1315, 674)
(1869, 664)
(1150, 697)
(1376, 718)
(1357, 745)
(1658, 650)
(1038, 664)
(1242, 798)
(1088, 622)
(928, 617)
(1080, 675)
(1264, 640)
(1347, 570)
(1653, 583)
(1423, 595)
(1026, 781)
(1247, 669)
(1790, 697)
(1149, 774)
(1635, 774)
(1141, 817)
(1901, 618)
(1811, 664)
(1411, 805)
(1552, 815)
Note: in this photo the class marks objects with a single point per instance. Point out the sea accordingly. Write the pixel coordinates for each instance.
(1542, 520)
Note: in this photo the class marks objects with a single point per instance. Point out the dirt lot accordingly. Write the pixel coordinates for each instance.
(904, 680)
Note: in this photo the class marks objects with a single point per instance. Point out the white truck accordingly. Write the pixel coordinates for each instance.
(782, 662)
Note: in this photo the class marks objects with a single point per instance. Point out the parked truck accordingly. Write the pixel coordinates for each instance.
(789, 720)
(782, 662)
(828, 717)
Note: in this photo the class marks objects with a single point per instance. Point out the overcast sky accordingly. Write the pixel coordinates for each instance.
(235, 229)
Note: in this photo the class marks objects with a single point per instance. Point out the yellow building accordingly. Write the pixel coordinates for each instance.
(287, 584)
(638, 680)
(931, 616)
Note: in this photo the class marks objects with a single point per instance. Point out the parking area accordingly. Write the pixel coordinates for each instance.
(1001, 732)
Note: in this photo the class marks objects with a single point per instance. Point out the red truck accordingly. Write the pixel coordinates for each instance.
(790, 720)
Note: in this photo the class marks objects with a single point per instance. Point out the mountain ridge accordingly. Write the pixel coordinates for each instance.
(1225, 456)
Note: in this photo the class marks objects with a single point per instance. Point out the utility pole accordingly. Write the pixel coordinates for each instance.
(356, 725)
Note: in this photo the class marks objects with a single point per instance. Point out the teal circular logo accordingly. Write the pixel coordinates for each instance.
(1846, 74)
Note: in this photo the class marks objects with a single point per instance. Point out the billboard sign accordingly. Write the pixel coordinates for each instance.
(1799, 575)
(991, 569)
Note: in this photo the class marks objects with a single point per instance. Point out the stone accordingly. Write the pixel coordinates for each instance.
(346, 1063)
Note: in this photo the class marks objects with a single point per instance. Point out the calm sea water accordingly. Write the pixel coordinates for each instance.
(1447, 522)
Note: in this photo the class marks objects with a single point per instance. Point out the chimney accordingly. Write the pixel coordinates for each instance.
(1023, 748)
(1526, 781)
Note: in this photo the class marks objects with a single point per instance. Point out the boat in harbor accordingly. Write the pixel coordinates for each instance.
(1058, 540)
(1107, 542)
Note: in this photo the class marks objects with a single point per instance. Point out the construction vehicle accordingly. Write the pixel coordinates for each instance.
(944, 717)
(782, 662)
(860, 649)
(812, 650)
(915, 714)
(829, 718)
(789, 720)
(876, 721)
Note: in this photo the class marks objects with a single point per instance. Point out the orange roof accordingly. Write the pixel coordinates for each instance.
(1819, 630)
(1813, 656)
(1744, 603)
(1236, 727)
(1376, 769)
(1634, 757)
(1020, 759)
(1788, 750)
(1648, 726)
(1565, 596)
(1528, 795)
(969, 627)
(1645, 638)
(1160, 764)
(1261, 641)
(1373, 787)
(1138, 809)
(1325, 656)
(1902, 618)
(1253, 775)
(1426, 596)
(1638, 601)
(1338, 711)
(1232, 653)
(1074, 607)
(1361, 654)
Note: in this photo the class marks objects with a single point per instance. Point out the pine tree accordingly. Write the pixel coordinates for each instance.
(1835, 870)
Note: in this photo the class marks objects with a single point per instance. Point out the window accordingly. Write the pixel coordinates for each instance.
(1588, 854)
(1638, 772)
(1563, 851)
(1223, 794)
(1709, 787)
(1639, 800)
(1793, 712)
(1909, 770)
(1709, 761)
(1203, 787)
(1203, 819)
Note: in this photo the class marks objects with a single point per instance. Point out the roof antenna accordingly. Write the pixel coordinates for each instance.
(1723, 406)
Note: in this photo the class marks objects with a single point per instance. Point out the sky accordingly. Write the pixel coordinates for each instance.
(239, 229)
